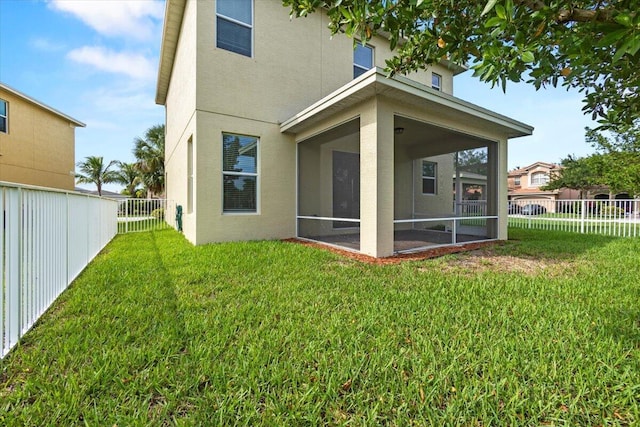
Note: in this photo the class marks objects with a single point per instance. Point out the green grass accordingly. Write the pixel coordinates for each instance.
(158, 332)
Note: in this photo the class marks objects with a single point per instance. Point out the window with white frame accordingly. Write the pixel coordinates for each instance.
(429, 174)
(234, 26)
(436, 81)
(516, 180)
(362, 59)
(4, 116)
(239, 173)
(539, 178)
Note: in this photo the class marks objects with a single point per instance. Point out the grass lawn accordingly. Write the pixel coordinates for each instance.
(544, 330)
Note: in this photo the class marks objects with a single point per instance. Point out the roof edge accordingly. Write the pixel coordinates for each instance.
(376, 76)
(173, 12)
(42, 105)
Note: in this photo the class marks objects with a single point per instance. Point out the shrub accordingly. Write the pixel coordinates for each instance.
(158, 213)
(611, 211)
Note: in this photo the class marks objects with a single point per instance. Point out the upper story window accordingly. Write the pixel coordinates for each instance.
(539, 178)
(429, 170)
(4, 116)
(239, 173)
(436, 81)
(234, 26)
(362, 59)
(516, 180)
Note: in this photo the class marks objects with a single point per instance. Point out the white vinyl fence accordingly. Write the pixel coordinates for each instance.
(145, 215)
(596, 216)
(47, 238)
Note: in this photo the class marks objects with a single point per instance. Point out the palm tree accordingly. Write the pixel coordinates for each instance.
(93, 171)
(127, 175)
(149, 153)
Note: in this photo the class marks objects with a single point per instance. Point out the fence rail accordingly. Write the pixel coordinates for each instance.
(595, 216)
(47, 238)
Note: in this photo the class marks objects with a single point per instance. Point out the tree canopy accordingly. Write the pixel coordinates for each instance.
(93, 171)
(616, 164)
(593, 46)
(149, 154)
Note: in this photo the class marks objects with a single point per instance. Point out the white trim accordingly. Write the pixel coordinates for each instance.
(361, 67)
(250, 26)
(439, 85)
(375, 82)
(434, 178)
(5, 116)
(256, 175)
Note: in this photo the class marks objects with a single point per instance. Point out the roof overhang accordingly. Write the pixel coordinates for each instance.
(375, 82)
(173, 14)
(27, 98)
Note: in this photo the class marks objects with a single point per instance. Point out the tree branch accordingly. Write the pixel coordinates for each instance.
(573, 14)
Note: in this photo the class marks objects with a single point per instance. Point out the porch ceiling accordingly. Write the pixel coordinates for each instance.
(374, 82)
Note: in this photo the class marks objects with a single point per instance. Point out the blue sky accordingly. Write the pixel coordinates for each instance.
(96, 60)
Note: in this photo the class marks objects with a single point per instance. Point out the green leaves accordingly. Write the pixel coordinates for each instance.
(593, 46)
(487, 8)
(528, 57)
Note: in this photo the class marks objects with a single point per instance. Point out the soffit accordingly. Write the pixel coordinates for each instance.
(374, 83)
(173, 14)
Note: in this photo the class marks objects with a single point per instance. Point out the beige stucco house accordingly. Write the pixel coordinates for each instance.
(527, 183)
(37, 142)
(275, 129)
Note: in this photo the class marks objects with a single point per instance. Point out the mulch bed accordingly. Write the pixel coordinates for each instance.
(395, 259)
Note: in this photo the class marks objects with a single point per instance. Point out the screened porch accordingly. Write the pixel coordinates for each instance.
(443, 192)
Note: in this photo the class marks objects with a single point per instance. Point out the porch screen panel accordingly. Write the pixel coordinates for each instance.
(346, 187)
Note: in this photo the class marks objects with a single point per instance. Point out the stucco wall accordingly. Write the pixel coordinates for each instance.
(295, 63)
(39, 148)
(275, 217)
(180, 119)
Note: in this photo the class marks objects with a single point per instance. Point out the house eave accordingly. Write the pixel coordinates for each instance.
(375, 82)
(44, 106)
(173, 14)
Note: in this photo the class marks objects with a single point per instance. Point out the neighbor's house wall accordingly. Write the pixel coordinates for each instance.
(39, 148)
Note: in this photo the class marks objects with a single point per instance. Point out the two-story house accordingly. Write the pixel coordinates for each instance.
(37, 142)
(275, 129)
(526, 183)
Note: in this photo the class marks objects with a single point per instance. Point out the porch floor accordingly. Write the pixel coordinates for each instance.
(403, 240)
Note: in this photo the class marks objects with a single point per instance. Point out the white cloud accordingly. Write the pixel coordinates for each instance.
(133, 65)
(132, 19)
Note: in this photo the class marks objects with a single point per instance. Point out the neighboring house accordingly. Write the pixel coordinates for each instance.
(275, 130)
(524, 184)
(37, 142)
(106, 194)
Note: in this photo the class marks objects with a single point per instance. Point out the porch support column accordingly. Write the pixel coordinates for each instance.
(498, 192)
(376, 179)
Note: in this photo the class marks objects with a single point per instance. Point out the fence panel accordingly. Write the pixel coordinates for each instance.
(136, 215)
(595, 216)
(47, 238)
